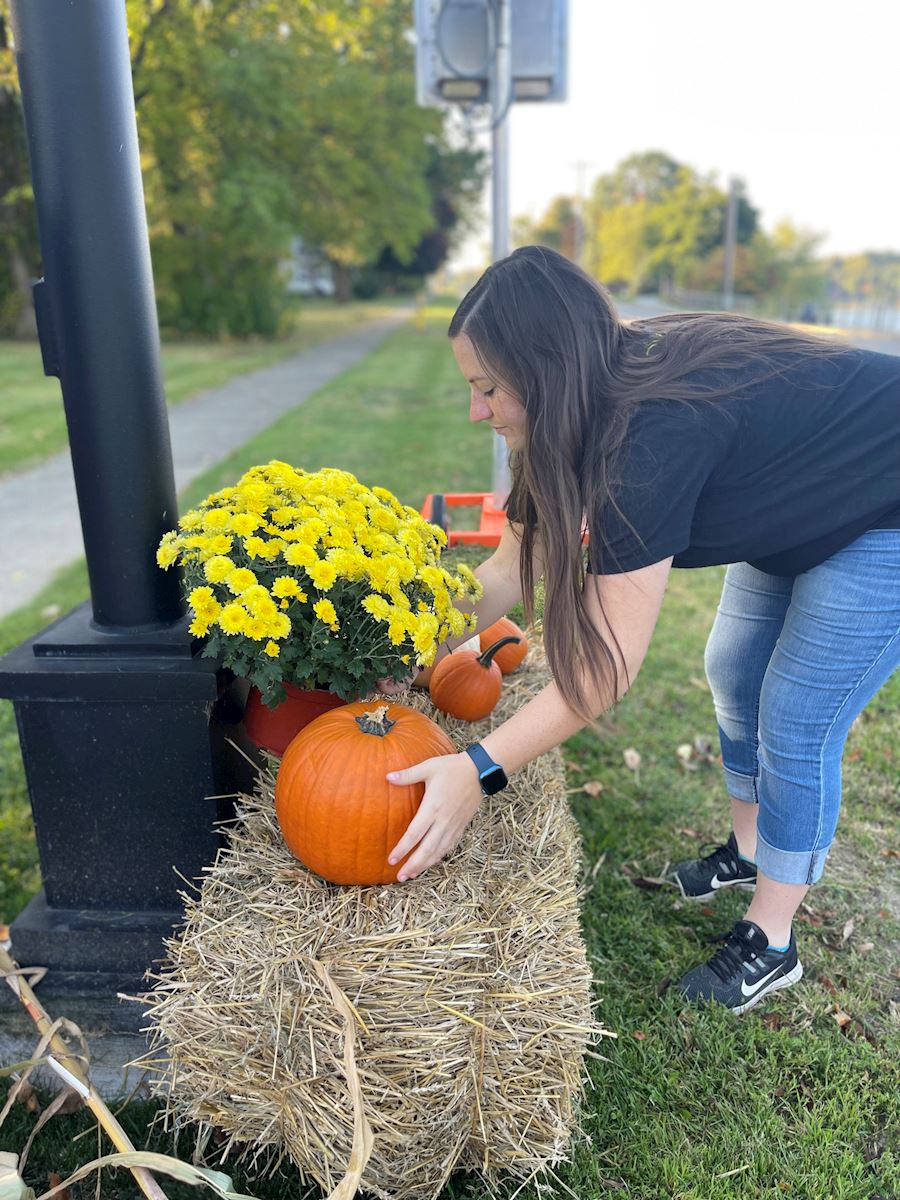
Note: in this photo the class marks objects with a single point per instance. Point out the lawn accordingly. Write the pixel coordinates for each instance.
(32, 421)
(801, 1097)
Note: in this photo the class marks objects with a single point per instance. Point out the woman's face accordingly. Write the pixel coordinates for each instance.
(488, 401)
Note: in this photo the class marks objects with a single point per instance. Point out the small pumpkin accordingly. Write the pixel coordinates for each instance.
(336, 810)
(467, 685)
(510, 656)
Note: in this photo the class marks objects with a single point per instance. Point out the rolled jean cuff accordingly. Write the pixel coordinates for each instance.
(740, 787)
(789, 866)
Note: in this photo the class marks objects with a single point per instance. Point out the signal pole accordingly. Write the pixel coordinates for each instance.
(501, 103)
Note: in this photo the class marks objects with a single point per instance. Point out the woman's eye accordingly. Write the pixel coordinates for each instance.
(488, 392)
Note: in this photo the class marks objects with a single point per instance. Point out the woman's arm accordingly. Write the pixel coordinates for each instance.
(499, 576)
(631, 604)
(630, 608)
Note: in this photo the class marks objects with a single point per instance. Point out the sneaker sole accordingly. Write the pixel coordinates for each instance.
(739, 886)
(793, 976)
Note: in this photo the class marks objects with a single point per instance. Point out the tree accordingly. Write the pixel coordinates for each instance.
(455, 178)
(19, 253)
(652, 220)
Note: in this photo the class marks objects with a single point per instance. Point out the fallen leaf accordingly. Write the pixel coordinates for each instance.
(691, 833)
(697, 682)
(638, 1035)
(684, 751)
(632, 758)
(55, 1180)
(841, 1017)
(703, 746)
(865, 947)
(612, 1183)
(890, 853)
(593, 788)
(650, 883)
(707, 911)
(572, 764)
(772, 1020)
(849, 926)
(828, 985)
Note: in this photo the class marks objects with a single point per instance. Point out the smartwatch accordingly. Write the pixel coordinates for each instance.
(491, 775)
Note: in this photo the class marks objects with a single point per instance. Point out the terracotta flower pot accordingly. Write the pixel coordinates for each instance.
(274, 728)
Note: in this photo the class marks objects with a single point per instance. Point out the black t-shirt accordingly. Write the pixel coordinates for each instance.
(781, 474)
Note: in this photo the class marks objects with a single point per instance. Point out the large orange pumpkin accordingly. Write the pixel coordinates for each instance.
(336, 810)
(511, 655)
(467, 685)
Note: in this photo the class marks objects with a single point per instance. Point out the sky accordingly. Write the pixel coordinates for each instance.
(800, 100)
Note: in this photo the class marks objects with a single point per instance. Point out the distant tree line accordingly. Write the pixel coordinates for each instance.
(261, 120)
(656, 225)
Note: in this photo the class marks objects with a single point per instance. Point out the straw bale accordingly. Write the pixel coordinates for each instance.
(434, 1025)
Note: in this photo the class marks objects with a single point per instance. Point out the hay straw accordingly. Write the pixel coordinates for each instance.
(469, 989)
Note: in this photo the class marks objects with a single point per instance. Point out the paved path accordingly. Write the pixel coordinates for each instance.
(38, 508)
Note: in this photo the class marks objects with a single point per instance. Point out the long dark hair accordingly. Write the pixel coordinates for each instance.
(550, 334)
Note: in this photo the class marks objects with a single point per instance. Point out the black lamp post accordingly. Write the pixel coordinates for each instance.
(115, 711)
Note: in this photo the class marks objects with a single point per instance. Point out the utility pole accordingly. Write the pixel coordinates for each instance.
(501, 104)
(730, 243)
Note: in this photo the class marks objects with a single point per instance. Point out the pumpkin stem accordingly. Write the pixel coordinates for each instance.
(486, 656)
(376, 721)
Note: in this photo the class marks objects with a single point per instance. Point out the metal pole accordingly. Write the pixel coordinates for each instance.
(96, 307)
(501, 98)
(730, 245)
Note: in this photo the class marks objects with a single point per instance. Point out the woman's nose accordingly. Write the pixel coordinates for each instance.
(479, 410)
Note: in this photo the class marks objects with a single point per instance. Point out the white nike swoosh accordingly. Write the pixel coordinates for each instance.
(715, 883)
(745, 991)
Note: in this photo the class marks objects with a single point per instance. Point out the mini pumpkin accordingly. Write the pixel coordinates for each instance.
(510, 656)
(337, 812)
(467, 685)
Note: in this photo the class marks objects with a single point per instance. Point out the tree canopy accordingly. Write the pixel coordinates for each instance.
(261, 120)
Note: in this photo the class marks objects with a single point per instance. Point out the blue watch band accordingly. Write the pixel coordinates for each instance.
(490, 774)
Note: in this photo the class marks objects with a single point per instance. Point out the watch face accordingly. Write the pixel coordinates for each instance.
(493, 780)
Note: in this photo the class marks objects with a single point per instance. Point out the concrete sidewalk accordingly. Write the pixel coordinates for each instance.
(38, 507)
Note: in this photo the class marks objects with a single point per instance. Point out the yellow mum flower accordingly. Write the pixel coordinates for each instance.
(199, 627)
(377, 606)
(279, 625)
(324, 610)
(200, 597)
(468, 576)
(323, 575)
(255, 497)
(217, 520)
(233, 619)
(220, 544)
(456, 621)
(285, 515)
(397, 632)
(300, 555)
(167, 552)
(256, 628)
(218, 568)
(240, 580)
(191, 520)
(272, 649)
(285, 586)
(245, 523)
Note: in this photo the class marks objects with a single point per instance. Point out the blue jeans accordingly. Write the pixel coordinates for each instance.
(791, 663)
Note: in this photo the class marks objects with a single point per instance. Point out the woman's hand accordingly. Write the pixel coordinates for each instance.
(417, 678)
(452, 796)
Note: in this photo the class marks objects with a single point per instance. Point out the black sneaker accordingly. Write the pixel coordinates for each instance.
(743, 971)
(701, 878)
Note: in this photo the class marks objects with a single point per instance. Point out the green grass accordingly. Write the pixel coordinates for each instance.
(32, 421)
(688, 1105)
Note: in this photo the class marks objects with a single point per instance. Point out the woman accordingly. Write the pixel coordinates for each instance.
(687, 440)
